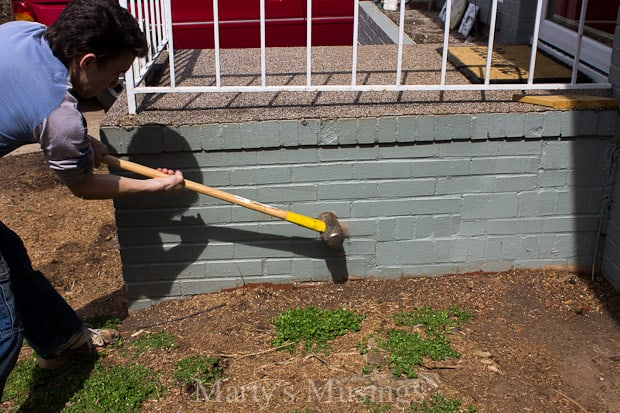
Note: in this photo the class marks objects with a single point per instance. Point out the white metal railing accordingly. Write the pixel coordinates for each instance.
(156, 20)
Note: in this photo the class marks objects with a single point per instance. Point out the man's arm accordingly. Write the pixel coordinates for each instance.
(72, 154)
(102, 186)
(107, 186)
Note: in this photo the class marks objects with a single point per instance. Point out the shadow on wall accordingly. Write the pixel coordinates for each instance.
(167, 247)
(592, 185)
(159, 238)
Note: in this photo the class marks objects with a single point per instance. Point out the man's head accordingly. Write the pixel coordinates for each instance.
(97, 40)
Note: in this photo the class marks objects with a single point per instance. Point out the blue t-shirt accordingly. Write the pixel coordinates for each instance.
(36, 104)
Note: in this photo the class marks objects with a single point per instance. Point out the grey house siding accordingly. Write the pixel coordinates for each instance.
(421, 195)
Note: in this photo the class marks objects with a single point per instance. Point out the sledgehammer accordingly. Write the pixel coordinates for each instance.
(327, 223)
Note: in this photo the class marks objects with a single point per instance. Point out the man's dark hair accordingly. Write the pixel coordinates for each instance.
(101, 27)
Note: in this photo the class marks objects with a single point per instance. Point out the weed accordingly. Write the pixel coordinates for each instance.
(35, 389)
(439, 404)
(196, 369)
(434, 321)
(408, 350)
(104, 322)
(160, 340)
(84, 384)
(375, 407)
(314, 326)
(20, 381)
(362, 346)
(115, 389)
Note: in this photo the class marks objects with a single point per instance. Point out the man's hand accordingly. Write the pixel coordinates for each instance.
(173, 182)
(106, 186)
(99, 150)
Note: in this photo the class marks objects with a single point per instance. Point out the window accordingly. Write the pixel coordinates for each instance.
(559, 33)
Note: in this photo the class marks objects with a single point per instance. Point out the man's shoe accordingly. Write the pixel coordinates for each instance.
(90, 337)
(82, 342)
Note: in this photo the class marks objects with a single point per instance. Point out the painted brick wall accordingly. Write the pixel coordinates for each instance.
(422, 195)
(376, 28)
(611, 246)
(611, 251)
(515, 19)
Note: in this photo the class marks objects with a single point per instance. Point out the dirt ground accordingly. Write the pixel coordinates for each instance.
(539, 341)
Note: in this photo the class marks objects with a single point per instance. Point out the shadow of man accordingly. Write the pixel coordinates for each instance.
(52, 389)
(159, 239)
(162, 240)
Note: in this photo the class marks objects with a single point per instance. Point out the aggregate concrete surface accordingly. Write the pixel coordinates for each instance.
(421, 64)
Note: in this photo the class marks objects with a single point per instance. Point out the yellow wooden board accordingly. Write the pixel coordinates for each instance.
(568, 101)
(509, 64)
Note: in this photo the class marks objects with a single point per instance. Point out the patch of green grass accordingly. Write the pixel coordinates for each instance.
(433, 321)
(20, 381)
(32, 389)
(439, 404)
(84, 384)
(104, 321)
(160, 340)
(314, 327)
(197, 369)
(408, 349)
(115, 389)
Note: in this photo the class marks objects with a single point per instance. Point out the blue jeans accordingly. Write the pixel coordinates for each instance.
(10, 327)
(47, 320)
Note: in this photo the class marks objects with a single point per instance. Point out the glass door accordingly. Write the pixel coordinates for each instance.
(560, 25)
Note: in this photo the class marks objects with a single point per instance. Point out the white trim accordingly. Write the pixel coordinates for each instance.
(593, 74)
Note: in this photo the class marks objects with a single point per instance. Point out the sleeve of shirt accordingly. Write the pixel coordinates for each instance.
(65, 142)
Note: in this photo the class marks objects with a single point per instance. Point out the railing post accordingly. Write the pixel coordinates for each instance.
(263, 40)
(487, 73)
(308, 43)
(530, 78)
(401, 36)
(356, 17)
(216, 41)
(446, 37)
(129, 77)
(169, 40)
(582, 21)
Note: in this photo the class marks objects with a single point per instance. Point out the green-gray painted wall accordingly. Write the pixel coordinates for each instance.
(421, 195)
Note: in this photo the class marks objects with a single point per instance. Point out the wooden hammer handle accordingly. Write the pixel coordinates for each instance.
(304, 221)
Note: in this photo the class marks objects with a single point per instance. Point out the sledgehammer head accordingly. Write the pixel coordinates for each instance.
(334, 234)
